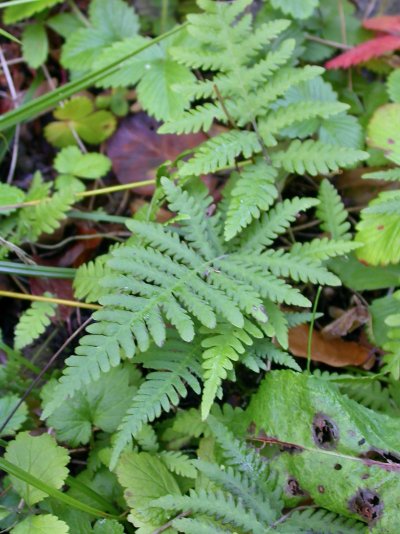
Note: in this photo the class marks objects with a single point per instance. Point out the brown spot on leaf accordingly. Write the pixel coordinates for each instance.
(362, 441)
(380, 227)
(321, 489)
(337, 467)
(390, 141)
(325, 432)
(367, 504)
(293, 488)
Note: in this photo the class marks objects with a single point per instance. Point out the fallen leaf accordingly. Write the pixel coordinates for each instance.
(57, 287)
(364, 52)
(334, 352)
(137, 150)
(82, 250)
(347, 321)
(387, 24)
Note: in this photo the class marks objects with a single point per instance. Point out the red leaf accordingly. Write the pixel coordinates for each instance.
(387, 24)
(365, 51)
(59, 288)
(136, 149)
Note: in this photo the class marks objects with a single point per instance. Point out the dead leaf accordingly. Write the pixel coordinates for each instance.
(346, 322)
(57, 287)
(137, 150)
(364, 52)
(333, 352)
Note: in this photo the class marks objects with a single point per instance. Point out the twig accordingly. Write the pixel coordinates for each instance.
(169, 524)
(221, 100)
(327, 42)
(53, 300)
(43, 372)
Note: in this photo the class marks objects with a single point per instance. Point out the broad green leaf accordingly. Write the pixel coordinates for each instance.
(155, 90)
(102, 404)
(108, 526)
(383, 131)
(41, 457)
(336, 450)
(145, 478)
(111, 22)
(72, 161)
(10, 195)
(65, 24)
(18, 12)
(41, 524)
(393, 86)
(360, 277)
(296, 9)
(35, 45)
(7, 404)
(380, 309)
(379, 230)
(92, 126)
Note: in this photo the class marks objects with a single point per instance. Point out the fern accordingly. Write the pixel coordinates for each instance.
(243, 91)
(33, 322)
(332, 213)
(315, 157)
(318, 521)
(174, 367)
(86, 280)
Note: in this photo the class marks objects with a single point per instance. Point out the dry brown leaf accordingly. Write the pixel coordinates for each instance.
(346, 321)
(333, 352)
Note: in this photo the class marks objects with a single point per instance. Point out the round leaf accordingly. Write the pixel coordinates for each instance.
(10, 195)
(41, 457)
(71, 161)
(41, 524)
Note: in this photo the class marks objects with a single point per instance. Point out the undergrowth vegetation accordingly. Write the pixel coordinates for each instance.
(206, 224)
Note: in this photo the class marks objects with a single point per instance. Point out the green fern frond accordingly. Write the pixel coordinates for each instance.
(86, 282)
(174, 368)
(223, 346)
(254, 192)
(199, 526)
(323, 249)
(263, 351)
(179, 463)
(390, 175)
(275, 222)
(320, 520)
(332, 213)
(216, 504)
(220, 152)
(33, 322)
(315, 157)
(194, 120)
(283, 117)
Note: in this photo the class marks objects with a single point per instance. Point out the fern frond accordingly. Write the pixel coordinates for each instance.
(320, 520)
(179, 463)
(275, 222)
(253, 193)
(217, 504)
(332, 213)
(285, 116)
(199, 526)
(223, 347)
(315, 157)
(195, 120)
(174, 368)
(296, 267)
(243, 487)
(221, 151)
(86, 283)
(323, 249)
(264, 350)
(33, 322)
(390, 175)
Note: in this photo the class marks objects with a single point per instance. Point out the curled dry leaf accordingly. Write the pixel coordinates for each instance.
(334, 352)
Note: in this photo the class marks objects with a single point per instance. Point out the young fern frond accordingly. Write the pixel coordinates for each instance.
(33, 322)
(86, 281)
(174, 368)
(332, 213)
(319, 520)
(323, 249)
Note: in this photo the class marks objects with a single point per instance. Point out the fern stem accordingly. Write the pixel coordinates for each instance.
(84, 194)
(310, 333)
(39, 298)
